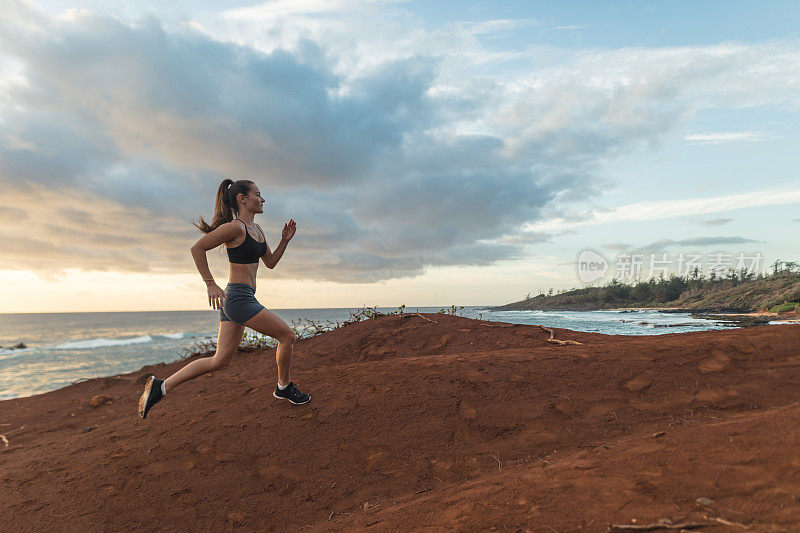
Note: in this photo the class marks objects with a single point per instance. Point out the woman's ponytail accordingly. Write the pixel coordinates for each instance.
(225, 206)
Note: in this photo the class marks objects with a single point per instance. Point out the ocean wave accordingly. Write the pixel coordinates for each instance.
(172, 335)
(102, 343)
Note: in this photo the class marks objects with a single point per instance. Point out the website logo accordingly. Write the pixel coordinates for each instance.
(591, 266)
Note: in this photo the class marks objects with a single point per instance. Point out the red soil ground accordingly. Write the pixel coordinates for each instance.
(456, 425)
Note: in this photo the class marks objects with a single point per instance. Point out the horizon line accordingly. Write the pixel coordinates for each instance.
(216, 311)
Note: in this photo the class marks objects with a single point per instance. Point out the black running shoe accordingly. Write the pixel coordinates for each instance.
(291, 393)
(151, 395)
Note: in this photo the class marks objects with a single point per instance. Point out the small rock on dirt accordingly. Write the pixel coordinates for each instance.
(99, 400)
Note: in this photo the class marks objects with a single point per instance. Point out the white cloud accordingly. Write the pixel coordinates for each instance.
(728, 136)
(281, 8)
(655, 210)
(482, 27)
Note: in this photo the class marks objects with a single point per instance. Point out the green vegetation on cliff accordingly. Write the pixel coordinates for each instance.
(776, 292)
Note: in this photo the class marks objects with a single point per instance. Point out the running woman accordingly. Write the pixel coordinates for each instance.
(237, 305)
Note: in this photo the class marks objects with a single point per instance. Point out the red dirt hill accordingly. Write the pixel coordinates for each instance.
(457, 424)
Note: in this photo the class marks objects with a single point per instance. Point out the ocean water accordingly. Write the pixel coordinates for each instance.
(63, 348)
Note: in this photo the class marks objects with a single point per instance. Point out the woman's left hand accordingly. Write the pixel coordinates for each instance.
(288, 230)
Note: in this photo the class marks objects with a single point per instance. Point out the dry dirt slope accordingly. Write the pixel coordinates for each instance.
(455, 425)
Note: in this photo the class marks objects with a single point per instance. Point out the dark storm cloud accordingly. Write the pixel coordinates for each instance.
(152, 120)
(103, 93)
(118, 136)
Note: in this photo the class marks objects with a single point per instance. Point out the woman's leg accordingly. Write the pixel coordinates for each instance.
(268, 323)
(228, 340)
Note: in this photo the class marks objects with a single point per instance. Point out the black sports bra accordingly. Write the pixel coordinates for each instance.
(250, 251)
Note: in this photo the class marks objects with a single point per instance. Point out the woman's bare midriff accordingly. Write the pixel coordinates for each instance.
(243, 273)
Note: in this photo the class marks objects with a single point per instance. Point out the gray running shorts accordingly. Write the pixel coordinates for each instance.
(240, 304)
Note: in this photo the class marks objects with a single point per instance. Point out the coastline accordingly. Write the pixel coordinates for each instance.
(110, 343)
(753, 318)
(728, 299)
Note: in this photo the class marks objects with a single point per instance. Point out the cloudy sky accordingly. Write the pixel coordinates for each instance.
(431, 153)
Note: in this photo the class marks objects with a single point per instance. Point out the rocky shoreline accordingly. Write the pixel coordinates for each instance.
(18, 346)
(732, 317)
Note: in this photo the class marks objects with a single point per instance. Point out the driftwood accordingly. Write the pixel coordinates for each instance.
(556, 341)
(406, 315)
(552, 333)
(727, 523)
(663, 524)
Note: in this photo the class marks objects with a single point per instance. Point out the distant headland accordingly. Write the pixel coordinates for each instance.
(746, 298)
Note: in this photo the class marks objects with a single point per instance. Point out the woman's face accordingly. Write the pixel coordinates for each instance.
(253, 201)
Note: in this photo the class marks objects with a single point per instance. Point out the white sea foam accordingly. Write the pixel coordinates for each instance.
(173, 335)
(102, 343)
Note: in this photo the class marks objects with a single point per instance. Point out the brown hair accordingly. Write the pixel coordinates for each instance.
(225, 205)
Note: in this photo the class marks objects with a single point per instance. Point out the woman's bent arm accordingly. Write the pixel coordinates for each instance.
(276, 255)
(201, 262)
(225, 233)
(271, 258)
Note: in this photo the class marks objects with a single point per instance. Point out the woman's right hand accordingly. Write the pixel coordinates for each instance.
(216, 296)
